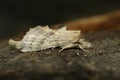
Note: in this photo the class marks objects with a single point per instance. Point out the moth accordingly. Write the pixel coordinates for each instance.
(43, 37)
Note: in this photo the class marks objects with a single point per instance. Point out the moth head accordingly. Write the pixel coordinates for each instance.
(15, 44)
(84, 44)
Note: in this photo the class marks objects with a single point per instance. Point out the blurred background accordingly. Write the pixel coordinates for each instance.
(19, 15)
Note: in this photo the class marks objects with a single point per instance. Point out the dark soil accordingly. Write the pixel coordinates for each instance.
(102, 62)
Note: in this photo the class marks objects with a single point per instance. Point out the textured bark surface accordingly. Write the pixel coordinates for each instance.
(102, 62)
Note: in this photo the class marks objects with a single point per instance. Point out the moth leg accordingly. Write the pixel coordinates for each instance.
(83, 44)
(81, 47)
(66, 47)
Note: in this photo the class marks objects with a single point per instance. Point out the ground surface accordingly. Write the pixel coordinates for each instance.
(101, 63)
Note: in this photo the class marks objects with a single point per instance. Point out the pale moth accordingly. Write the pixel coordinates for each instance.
(42, 37)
